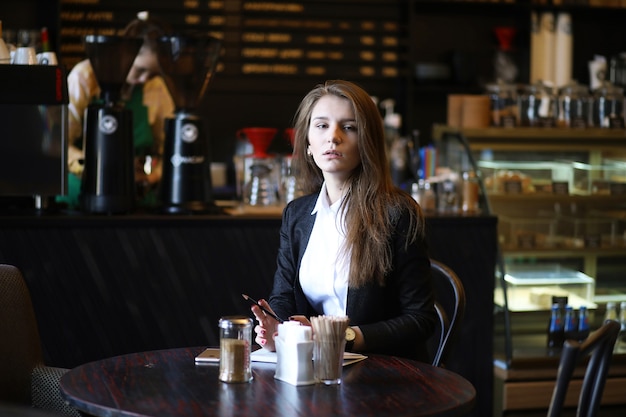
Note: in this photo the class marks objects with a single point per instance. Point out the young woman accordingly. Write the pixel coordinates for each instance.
(354, 244)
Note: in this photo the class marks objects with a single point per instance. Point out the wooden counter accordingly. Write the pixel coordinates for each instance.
(109, 285)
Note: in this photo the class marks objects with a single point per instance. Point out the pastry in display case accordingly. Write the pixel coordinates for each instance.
(527, 232)
(619, 216)
(589, 232)
(605, 179)
(510, 177)
(561, 232)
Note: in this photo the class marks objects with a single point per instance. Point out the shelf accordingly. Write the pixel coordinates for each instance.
(520, 303)
(565, 253)
(538, 139)
(550, 198)
(520, 133)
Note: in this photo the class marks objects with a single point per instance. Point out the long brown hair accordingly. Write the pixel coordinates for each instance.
(373, 204)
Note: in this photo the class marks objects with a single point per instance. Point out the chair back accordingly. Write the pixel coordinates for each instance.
(599, 347)
(450, 307)
(20, 348)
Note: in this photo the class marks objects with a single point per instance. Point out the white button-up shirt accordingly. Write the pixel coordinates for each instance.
(324, 268)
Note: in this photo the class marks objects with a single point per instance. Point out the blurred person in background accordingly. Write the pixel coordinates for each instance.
(145, 93)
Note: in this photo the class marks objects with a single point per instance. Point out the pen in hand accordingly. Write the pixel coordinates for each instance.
(266, 311)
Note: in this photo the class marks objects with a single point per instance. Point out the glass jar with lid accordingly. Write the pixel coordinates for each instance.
(503, 98)
(608, 106)
(574, 105)
(538, 105)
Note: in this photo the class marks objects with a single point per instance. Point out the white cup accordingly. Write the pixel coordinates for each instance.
(25, 55)
(47, 58)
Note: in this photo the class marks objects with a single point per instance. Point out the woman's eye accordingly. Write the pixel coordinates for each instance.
(349, 127)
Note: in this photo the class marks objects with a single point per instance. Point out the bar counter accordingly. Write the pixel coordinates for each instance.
(109, 285)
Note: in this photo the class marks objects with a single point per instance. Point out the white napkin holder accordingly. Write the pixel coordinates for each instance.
(294, 354)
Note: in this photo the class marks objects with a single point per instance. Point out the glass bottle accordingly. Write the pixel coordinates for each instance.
(470, 192)
(583, 323)
(449, 193)
(622, 322)
(425, 196)
(617, 69)
(611, 314)
(555, 328)
(570, 327)
(611, 311)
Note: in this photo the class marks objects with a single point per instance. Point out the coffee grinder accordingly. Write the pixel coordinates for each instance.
(188, 63)
(108, 181)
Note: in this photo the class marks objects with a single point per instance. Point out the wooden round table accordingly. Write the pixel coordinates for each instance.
(169, 383)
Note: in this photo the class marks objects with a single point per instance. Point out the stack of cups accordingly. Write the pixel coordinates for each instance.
(25, 55)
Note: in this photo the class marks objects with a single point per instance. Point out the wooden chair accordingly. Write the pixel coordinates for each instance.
(25, 379)
(599, 346)
(450, 307)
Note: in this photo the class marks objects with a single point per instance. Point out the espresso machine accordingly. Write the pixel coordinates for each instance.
(188, 63)
(108, 181)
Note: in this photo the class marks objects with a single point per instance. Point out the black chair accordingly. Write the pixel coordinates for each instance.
(599, 346)
(25, 379)
(450, 307)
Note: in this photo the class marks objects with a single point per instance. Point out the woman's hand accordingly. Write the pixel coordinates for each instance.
(267, 327)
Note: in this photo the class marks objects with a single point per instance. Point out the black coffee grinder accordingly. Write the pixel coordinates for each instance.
(188, 63)
(108, 181)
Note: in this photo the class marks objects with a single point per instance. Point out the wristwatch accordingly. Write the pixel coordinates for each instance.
(350, 336)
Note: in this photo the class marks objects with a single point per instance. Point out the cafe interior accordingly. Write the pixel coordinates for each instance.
(503, 119)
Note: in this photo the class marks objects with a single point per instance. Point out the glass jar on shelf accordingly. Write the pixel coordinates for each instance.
(503, 100)
(538, 105)
(608, 106)
(574, 105)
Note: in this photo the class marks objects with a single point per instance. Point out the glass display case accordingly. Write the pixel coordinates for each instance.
(515, 177)
(531, 287)
(590, 231)
(605, 179)
(558, 194)
(527, 232)
(561, 226)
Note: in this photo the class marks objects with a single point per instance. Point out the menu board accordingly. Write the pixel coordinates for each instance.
(350, 39)
(273, 51)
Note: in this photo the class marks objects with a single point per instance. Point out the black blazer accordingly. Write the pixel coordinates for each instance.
(395, 319)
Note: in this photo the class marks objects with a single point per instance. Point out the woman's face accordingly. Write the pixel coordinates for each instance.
(333, 137)
(145, 66)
